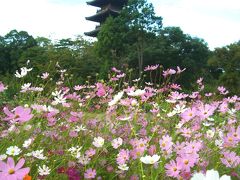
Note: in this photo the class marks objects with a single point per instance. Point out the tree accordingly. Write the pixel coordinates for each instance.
(14, 44)
(128, 32)
(227, 59)
(141, 20)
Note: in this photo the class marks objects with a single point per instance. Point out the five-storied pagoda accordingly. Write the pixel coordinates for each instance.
(107, 8)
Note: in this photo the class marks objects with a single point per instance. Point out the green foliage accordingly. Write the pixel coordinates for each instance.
(128, 33)
(12, 45)
(225, 65)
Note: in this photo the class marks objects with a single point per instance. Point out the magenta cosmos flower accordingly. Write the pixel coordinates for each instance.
(9, 171)
(20, 114)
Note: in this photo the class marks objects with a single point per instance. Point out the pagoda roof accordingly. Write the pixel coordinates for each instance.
(103, 14)
(94, 32)
(100, 3)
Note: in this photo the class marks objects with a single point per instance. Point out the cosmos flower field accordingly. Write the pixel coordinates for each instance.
(122, 128)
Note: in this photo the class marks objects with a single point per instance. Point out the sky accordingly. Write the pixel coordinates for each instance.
(215, 21)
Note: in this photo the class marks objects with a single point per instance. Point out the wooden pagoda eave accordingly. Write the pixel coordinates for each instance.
(98, 3)
(102, 15)
(93, 33)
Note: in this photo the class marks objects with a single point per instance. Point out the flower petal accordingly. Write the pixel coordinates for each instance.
(3, 166)
(22, 172)
(10, 162)
(19, 164)
(7, 112)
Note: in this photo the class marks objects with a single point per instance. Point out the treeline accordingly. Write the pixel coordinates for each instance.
(134, 40)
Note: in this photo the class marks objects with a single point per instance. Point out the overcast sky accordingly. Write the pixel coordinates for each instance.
(216, 21)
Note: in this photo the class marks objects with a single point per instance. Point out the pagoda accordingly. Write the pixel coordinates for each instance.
(107, 8)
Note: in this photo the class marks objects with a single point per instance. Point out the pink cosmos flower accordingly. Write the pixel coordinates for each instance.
(179, 147)
(175, 86)
(91, 152)
(188, 114)
(185, 162)
(115, 70)
(136, 152)
(166, 143)
(169, 72)
(222, 90)
(20, 114)
(114, 79)
(175, 95)
(223, 107)
(2, 87)
(186, 132)
(123, 156)
(230, 159)
(100, 90)
(230, 140)
(9, 171)
(90, 173)
(173, 169)
(152, 150)
(79, 87)
(117, 142)
(121, 75)
(204, 111)
(192, 147)
(151, 68)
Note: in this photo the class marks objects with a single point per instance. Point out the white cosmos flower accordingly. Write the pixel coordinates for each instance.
(210, 175)
(44, 170)
(13, 151)
(98, 142)
(75, 151)
(134, 102)
(136, 80)
(23, 72)
(84, 160)
(25, 87)
(138, 92)
(3, 157)
(210, 119)
(123, 167)
(150, 159)
(39, 154)
(80, 128)
(210, 133)
(125, 118)
(59, 99)
(45, 75)
(116, 98)
(27, 143)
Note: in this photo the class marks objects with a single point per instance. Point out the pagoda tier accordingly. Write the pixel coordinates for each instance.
(102, 15)
(102, 3)
(94, 32)
(108, 8)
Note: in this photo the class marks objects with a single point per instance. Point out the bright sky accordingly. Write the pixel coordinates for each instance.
(216, 21)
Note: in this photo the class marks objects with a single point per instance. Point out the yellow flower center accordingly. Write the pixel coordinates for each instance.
(11, 171)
